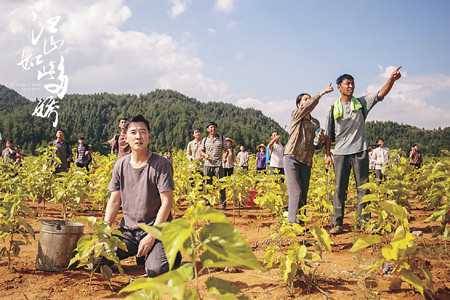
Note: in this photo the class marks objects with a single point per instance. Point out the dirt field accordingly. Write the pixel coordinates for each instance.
(335, 276)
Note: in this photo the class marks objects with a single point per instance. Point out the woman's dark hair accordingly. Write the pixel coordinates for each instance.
(299, 98)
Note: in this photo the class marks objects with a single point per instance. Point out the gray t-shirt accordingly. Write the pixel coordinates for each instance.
(214, 148)
(140, 189)
(350, 129)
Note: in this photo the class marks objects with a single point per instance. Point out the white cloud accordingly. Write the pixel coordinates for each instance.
(178, 7)
(239, 55)
(211, 31)
(233, 25)
(224, 6)
(99, 56)
(280, 110)
(411, 100)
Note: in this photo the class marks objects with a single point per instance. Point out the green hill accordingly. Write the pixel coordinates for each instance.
(172, 117)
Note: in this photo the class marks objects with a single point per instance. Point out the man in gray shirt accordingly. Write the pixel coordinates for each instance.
(212, 147)
(345, 124)
(142, 183)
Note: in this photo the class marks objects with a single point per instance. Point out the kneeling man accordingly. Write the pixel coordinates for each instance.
(142, 183)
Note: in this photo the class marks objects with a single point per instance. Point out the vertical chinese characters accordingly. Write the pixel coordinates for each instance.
(43, 58)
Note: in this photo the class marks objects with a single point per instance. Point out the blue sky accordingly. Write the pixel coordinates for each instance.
(251, 53)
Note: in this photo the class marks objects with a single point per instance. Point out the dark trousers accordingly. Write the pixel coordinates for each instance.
(343, 164)
(379, 176)
(228, 171)
(297, 177)
(272, 170)
(80, 165)
(155, 261)
(218, 173)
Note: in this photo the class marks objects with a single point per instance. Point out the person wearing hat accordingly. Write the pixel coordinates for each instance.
(212, 147)
(231, 158)
(299, 152)
(261, 158)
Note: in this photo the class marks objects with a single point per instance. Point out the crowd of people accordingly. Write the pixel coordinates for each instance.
(142, 182)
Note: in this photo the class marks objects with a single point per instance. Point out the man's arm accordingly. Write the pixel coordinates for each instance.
(112, 208)
(147, 242)
(389, 84)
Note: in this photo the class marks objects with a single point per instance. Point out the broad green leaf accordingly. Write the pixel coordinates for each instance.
(389, 253)
(321, 235)
(210, 260)
(224, 240)
(365, 242)
(106, 271)
(397, 211)
(412, 279)
(270, 255)
(173, 235)
(209, 213)
(27, 226)
(222, 289)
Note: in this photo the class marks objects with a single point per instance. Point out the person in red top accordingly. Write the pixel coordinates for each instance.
(119, 145)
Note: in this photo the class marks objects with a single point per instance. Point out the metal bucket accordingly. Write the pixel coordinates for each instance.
(57, 240)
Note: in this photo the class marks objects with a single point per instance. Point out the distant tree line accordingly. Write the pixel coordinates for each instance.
(172, 118)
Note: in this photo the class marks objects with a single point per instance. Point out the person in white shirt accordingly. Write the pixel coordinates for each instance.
(242, 158)
(276, 154)
(381, 157)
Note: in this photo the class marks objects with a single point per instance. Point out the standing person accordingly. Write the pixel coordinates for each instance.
(212, 147)
(345, 124)
(243, 157)
(142, 184)
(9, 153)
(415, 156)
(231, 158)
(260, 164)
(193, 152)
(381, 157)
(169, 157)
(63, 152)
(120, 146)
(276, 154)
(83, 152)
(299, 152)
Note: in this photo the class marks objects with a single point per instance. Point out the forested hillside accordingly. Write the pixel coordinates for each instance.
(397, 136)
(172, 117)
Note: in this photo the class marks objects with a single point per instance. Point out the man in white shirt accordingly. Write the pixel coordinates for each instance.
(381, 157)
(276, 154)
(242, 158)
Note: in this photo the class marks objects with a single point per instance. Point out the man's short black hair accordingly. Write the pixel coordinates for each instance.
(343, 77)
(196, 129)
(81, 138)
(60, 130)
(380, 139)
(273, 132)
(211, 123)
(9, 141)
(123, 118)
(299, 98)
(138, 118)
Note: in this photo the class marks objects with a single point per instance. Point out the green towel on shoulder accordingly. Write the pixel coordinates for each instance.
(338, 109)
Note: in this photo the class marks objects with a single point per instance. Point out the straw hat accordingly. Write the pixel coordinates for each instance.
(259, 147)
(230, 140)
